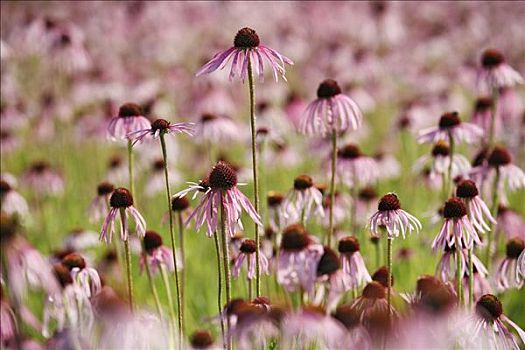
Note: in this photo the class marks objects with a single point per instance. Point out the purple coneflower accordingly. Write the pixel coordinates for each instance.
(247, 51)
(12, 202)
(477, 210)
(507, 275)
(352, 261)
(201, 340)
(440, 159)
(303, 200)
(495, 72)
(336, 280)
(330, 112)
(247, 252)
(157, 254)
(79, 239)
(510, 223)
(354, 168)
(157, 127)
(98, 208)
(86, 277)
(43, 179)
(130, 118)
(450, 126)
(216, 129)
(355, 334)
(482, 115)
(447, 264)
(520, 268)
(373, 299)
(121, 202)
(275, 210)
(390, 215)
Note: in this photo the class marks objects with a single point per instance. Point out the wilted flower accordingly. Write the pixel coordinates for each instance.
(390, 215)
(507, 275)
(451, 126)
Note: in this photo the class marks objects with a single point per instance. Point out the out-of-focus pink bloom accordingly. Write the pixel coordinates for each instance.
(9, 142)
(481, 285)
(80, 240)
(447, 265)
(130, 118)
(457, 228)
(302, 201)
(158, 127)
(216, 129)
(451, 126)
(156, 181)
(7, 319)
(439, 161)
(12, 202)
(201, 339)
(275, 210)
(389, 167)
(68, 53)
(372, 300)
(355, 335)
(99, 206)
(121, 202)
(495, 72)
(482, 115)
(334, 279)
(354, 168)
(331, 111)
(507, 275)
(477, 210)
(43, 179)
(85, 277)
(247, 50)
(117, 170)
(520, 268)
(510, 107)
(352, 261)
(247, 252)
(510, 223)
(395, 219)
(157, 254)
(342, 203)
(220, 188)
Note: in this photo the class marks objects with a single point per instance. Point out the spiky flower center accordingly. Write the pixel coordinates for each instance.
(514, 248)
(246, 38)
(347, 315)
(302, 182)
(467, 189)
(248, 246)
(295, 238)
(329, 262)
(105, 188)
(381, 276)
(499, 156)
(74, 260)
(160, 124)
(179, 203)
(367, 194)
(328, 88)
(348, 245)
(222, 176)
(374, 290)
(152, 240)
(441, 148)
(454, 209)
(484, 104)
(130, 110)
(389, 202)
(201, 340)
(349, 151)
(121, 198)
(489, 307)
(274, 199)
(491, 58)
(426, 283)
(449, 120)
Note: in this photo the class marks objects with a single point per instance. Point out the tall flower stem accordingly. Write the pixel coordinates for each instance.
(332, 189)
(253, 127)
(180, 224)
(131, 159)
(470, 277)
(219, 283)
(166, 281)
(389, 280)
(127, 253)
(459, 273)
(180, 314)
(492, 130)
(152, 284)
(494, 212)
(226, 262)
(450, 183)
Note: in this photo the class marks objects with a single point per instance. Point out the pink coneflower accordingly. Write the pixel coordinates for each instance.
(335, 279)
(352, 261)
(201, 339)
(510, 223)
(439, 161)
(356, 335)
(447, 264)
(457, 228)
(507, 274)
(121, 202)
(220, 186)
(342, 203)
(86, 277)
(297, 260)
(43, 179)
(451, 126)
(275, 210)
(247, 252)
(477, 210)
(433, 296)
(520, 268)
(68, 53)
(331, 111)
(12, 202)
(373, 299)
(117, 169)
(157, 127)
(216, 129)
(98, 208)
(9, 142)
(157, 254)
(490, 321)
(247, 50)
(354, 168)
(480, 284)
(495, 72)
(482, 115)
(130, 118)
(390, 215)
(388, 165)
(79, 239)
(303, 200)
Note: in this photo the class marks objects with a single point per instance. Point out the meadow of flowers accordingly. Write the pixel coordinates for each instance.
(262, 175)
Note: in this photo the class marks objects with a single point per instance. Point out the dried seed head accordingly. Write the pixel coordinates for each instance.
(179, 203)
(246, 38)
(222, 176)
(302, 182)
(130, 110)
(152, 240)
(349, 151)
(160, 124)
(483, 104)
(389, 202)
(499, 156)
(329, 262)
(491, 58)
(367, 194)
(449, 120)
(274, 199)
(201, 340)
(454, 209)
(381, 276)
(74, 260)
(328, 88)
(467, 189)
(347, 315)
(489, 307)
(105, 188)
(248, 246)
(374, 290)
(62, 274)
(441, 148)
(514, 248)
(121, 198)
(294, 238)
(348, 245)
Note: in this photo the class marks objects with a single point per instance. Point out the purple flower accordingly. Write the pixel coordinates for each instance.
(275, 202)
(395, 219)
(157, 254)
(446, 267)
(482, 115)
(216, 129)
(85, 277)
(247, 252)
(220, 186)
(477, 210)
(495, 72)
(43, 179)
(520, 268)
(372, 301)
(354, 168)
(507, 275)
(247, 50)
(158, 127)
(121, 202)
(331, 111)
(451, 126)
(440, 160)
(302, 200)
(335, 279)
(98, 208)
(352, 261)
(12, 202)
(130, 119)
(510, 223)
(457, 229)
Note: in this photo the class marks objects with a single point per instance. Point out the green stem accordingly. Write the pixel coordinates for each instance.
(492, 130)
(251, 86)
(166, 281)
(130, 170)
(180, 223)
(389, 280)
(332, 189)
(494, 212)
(450, 184)
(470, 277)
(219, 282)
(180, 315)
(128, 261)
(459, 273)
(152, 284)
(250, 289)
(226, 262)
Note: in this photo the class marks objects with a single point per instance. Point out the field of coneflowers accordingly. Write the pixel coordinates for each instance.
(262, 175)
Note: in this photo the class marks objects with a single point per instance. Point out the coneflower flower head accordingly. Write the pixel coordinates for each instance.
(247, 252)
(507, 275)
(302, 200)
(130, 118)
(85, 277)
(381, 276)
(201, 340)
(476, 208)
(352, 261)
(156, 253)
(450, 125)
(160, 127)
(354, 167)
(495, 72)
(98, 207)
(489, 308)
(392, 217)
(179, 204)
(329, 262)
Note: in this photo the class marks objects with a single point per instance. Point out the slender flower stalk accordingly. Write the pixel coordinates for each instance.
(226, 266)
(330, 232)
(219, 283)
